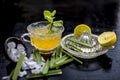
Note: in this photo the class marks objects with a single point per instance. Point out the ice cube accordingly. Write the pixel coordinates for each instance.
(38, 68)
(31, 64)
(22, 73)
(42, 64)
(15, 58)
(21, 48)
(5, 77)
(25, 66)
(13, 51)
(31, 58)
(9, 51)
(11, 55)
(11, 45)
(18, 53)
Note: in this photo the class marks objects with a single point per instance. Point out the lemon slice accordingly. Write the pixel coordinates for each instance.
(79, 29)
(107, 39)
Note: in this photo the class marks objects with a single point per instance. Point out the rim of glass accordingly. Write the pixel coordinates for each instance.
(39, 22)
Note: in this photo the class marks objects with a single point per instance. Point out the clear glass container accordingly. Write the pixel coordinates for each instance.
(87, 52)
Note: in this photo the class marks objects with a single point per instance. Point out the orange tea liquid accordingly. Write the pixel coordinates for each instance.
(43, 40)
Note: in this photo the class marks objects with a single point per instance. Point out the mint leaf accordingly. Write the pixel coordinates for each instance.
(58, 23)
(49, 18)
(47, 13)
(53, 13)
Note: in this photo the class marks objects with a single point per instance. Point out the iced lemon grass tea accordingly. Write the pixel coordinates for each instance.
(41, 38)
(45, 40)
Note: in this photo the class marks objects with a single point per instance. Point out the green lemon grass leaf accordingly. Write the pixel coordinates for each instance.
(58, 23)
(37, 55)
(18, 67)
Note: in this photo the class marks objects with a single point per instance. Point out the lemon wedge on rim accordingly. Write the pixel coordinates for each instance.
(79, 29)
(107, 39)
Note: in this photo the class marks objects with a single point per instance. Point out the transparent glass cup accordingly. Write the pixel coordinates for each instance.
(41, 38)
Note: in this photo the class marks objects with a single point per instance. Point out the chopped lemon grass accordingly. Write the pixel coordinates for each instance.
(54, 52)
(52, 61)
(62, 63)
(58, 51)
(58, 61)
(61, 60)
(46, 67)
(72, 56)
(18, 67)
(37, 55)
(11, 74)
(60, 54)
(79, 42)
(50, 73)
(58, 58)
(74, 47)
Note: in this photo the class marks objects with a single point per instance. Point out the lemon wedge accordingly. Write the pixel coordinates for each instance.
(107, 39)
(79, 29)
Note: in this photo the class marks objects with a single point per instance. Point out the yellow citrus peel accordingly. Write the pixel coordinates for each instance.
(79, 29)
(107, 39)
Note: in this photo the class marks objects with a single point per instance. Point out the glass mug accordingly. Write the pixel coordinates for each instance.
(40, 37)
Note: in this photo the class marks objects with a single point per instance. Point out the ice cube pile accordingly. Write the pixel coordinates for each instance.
(14, 50)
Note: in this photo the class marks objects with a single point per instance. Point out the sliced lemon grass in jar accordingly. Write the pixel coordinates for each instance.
(107, 39)
(79, 29)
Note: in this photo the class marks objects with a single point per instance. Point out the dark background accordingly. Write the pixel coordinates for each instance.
(100, 15)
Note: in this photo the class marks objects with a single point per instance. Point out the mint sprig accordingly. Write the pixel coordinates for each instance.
(50, 16)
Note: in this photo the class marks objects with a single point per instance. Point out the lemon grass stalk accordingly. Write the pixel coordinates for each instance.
(61, 59)
(72, 56)
(79, 42)
(74, 47)
(18, 67)
(46, 67)
(37, 55)
(62, 63)
(11, 74)
(50, 73)
(52, 61)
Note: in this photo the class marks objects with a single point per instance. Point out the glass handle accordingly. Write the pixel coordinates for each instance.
(23, 37)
